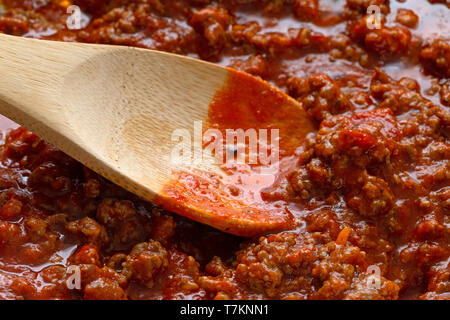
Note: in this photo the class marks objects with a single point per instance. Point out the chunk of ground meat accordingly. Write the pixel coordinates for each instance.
(212, 22)
(283, 263)
(92, 188)
(342, 47)
(318, 172)
(368, 135)
(320, 96)
(111, 212)
(438, 283)
(145, 261)
(218, 283)
(100, 283)
(255, 65)
(116, 261)
(87, 254)
(407, 18)
(429, 228)
(435, 58)
(20, 143)
(140, 24)
(373, 199)
(122, 221)
(444, 92)
(93, 231)
(271, 7)
(271, 43)
(163, 226)
(36, 228)
(387, 42)
(50, 180)
(306, 9)
(424, 255)
(424, 118)
(314, 179)
(301, 183)
(11, 209)
(102, 289)
(399, 96)
(18, 22)
(324, 220)
(343, 148)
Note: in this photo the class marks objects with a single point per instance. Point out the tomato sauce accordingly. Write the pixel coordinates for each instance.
(365, 188)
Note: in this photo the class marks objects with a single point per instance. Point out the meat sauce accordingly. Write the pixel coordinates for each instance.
(367, 189)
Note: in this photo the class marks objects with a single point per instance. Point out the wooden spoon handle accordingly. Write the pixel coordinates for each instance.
(33, 72)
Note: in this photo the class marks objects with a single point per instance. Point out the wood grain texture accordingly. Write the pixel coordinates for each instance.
(89, 101)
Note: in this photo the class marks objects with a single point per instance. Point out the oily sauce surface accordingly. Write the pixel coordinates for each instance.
(243, 116)
(368, 189)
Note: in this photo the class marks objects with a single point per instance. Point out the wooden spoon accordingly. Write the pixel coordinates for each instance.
(115, 109)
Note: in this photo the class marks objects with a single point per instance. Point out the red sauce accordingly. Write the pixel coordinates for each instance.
(367, 190)
(247, 104)
(244, 103)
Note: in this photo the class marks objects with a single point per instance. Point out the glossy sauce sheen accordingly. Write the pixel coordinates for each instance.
(244, 104)
(368, 188)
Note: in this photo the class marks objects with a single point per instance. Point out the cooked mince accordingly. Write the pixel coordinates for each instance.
(372, 182)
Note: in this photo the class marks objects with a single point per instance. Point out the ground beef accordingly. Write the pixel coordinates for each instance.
(282, 265)
(372, 182)
(435, 57)
(407, 18)
(122, 24)
(145, 261)
(439, 283)
(395, 95)
(387, 42)
(445, 93)
(373, 199)
(91, 229)
(101, 283)
(320, 96)
(122, 220)
(368, 136)
(255, 65)
(306, 9)
(212, 23)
